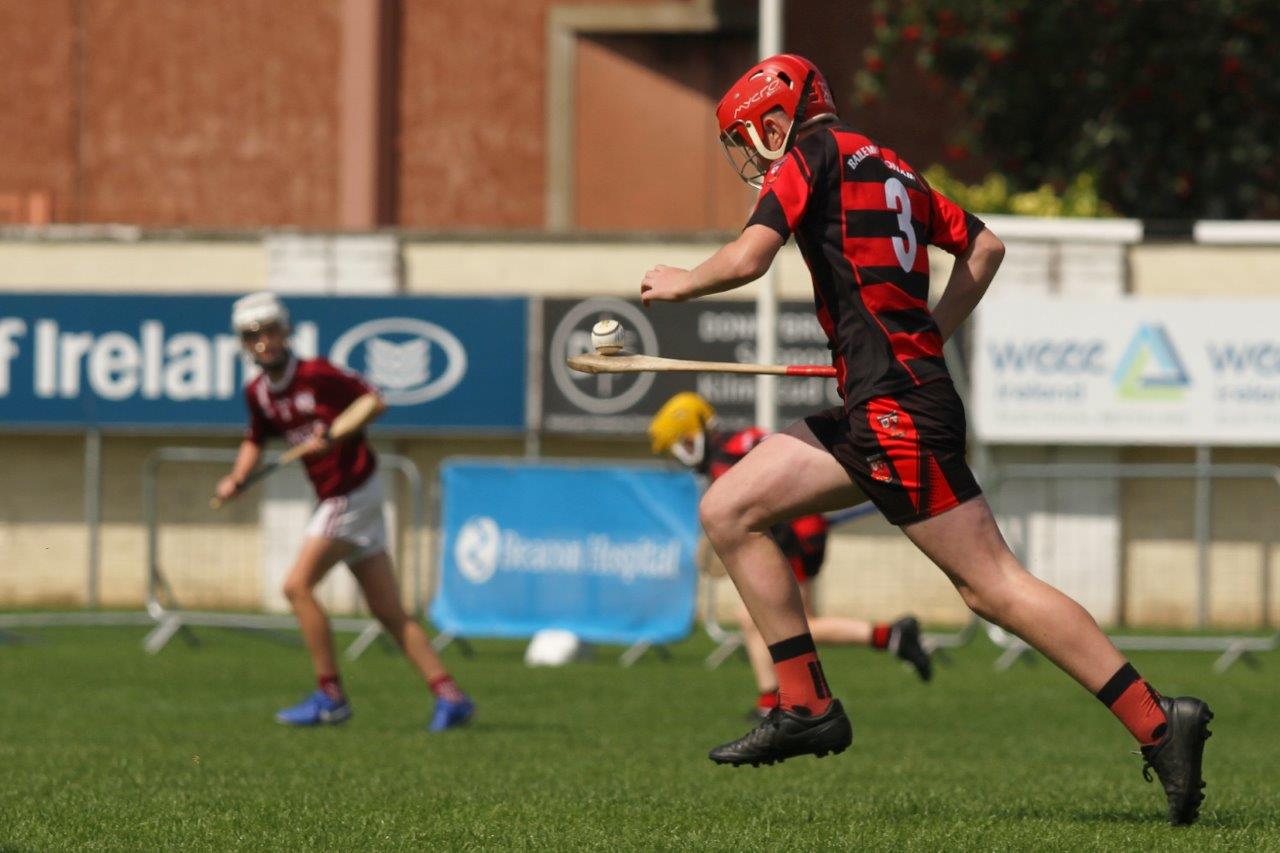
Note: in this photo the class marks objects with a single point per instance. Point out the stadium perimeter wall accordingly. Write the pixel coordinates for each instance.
(871, 571)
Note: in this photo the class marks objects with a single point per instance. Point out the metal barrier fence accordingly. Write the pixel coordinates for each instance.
(162, 609)
(169, 616)
(1203, 472)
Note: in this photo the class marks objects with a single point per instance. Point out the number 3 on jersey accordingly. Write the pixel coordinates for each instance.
(895, 195)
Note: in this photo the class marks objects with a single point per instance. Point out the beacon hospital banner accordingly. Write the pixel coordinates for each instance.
(604, 552)
(1127, 371)
(143, 362)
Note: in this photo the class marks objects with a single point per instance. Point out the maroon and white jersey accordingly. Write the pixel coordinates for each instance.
(312, 391)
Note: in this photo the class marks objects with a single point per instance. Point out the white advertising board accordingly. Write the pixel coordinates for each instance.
(1127, 371)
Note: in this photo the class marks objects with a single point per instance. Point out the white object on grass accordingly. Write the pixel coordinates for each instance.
(553, 647)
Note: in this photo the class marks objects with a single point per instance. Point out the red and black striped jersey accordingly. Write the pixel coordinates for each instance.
(862, 218)
(724, 449)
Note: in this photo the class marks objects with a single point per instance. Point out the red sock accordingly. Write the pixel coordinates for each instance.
(802, 687)
(1133, 701)
(768, 700)
(880, 635)
(444, 687)
(331, 686)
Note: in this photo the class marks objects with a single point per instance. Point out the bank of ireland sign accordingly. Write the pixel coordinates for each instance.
(1127, 371)
(157, 361)
(409, 360)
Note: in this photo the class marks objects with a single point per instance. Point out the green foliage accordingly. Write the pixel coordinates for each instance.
(105, 748)
(1174, 105)
(994, 195)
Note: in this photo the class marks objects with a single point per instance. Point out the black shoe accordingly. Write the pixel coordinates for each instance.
(756, 714)
(904, 641)
(1177, 757)
(783, 735)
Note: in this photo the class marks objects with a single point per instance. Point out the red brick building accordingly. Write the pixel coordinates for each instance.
(421, 114)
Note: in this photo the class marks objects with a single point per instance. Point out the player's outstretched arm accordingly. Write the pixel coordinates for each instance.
(973, 271)
(735, 264)
(246, 461)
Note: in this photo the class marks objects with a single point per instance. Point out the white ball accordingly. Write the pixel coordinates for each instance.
(606, 336)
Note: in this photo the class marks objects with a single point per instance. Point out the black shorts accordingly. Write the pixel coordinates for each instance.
(905, 451)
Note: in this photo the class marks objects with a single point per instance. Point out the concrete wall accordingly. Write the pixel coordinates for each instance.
(1162, 584)
(872, 571)
(1177, 269)
(110, 266)
(1159, 548)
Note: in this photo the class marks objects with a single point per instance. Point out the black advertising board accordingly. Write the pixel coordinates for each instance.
(708, 330)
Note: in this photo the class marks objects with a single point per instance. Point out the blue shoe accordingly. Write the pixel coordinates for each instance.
(317, 709)
(449, 715)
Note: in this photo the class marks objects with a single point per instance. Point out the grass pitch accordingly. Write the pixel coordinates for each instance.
(103, 747)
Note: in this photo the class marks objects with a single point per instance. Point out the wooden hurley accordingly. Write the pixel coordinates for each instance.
(293, 454)
(349, 421)
(625, 363)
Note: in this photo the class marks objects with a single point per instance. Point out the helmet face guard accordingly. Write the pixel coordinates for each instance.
(692, 454)
(748, 154)
(785, 82)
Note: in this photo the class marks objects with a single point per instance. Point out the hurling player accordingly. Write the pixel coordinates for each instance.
(297, 399)
(862, 217)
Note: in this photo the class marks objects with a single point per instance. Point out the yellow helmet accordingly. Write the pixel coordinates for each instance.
(683, 416)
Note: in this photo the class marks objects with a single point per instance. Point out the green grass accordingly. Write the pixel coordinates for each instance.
(103, 747)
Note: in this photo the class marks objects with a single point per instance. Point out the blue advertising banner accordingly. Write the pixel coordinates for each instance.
(607, 553)
(173, 361)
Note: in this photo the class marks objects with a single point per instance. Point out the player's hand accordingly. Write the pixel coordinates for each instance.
(227, 488)
(664, 284)
(319, 442)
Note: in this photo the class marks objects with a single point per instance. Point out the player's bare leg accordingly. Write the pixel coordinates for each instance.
(377, 581)
(826, 630)
(757, 653)
(782, 478)
(966, 544)
(901, 637)
(316, 557)
(328, 704)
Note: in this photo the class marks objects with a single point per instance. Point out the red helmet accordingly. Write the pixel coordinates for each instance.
(777, 82)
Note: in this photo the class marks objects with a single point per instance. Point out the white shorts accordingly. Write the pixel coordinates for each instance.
(355, 517)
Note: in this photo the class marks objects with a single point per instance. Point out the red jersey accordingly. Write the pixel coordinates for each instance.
(725, 449)
(312, 391)
(862, 218)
